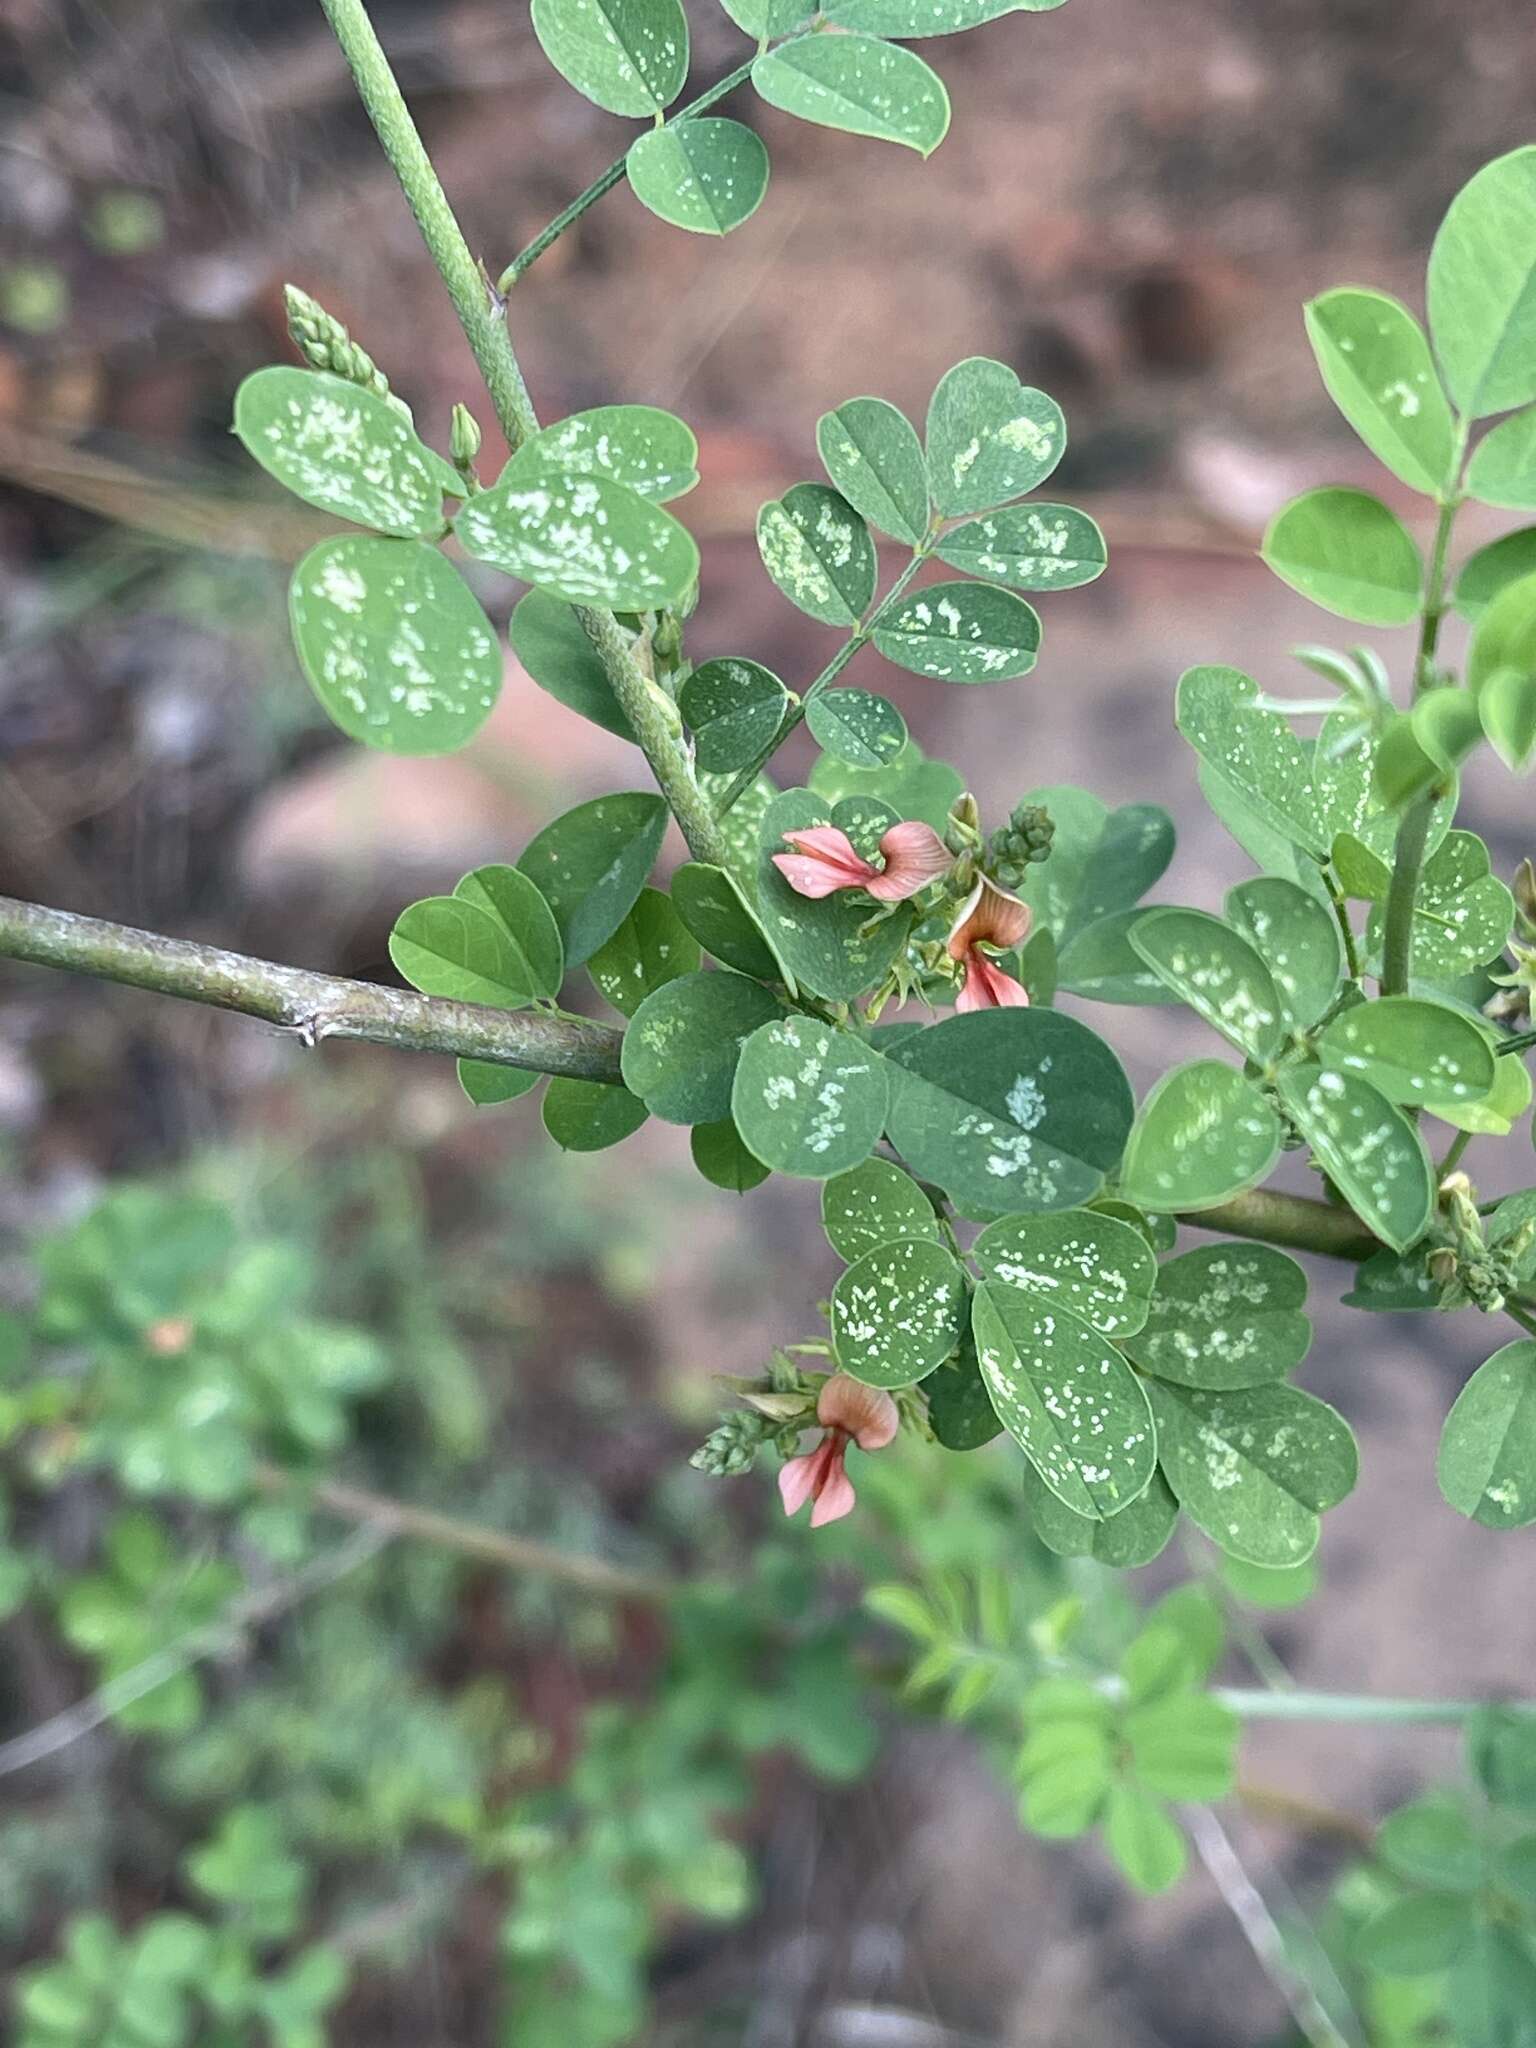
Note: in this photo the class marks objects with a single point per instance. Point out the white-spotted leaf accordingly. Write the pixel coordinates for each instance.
(344, 449)
(859, 84)
(990, 438)
(1252, 751)
(1033, 547)
(583, 538)
(1225, 1316)
(808, 1100)
(898, 1312)
(1375, 361)
(682, 1045)
(1096, 1266)
(626, 56)
(1487, 1462)
(1462, 913)
(1366, 1145)
(1411, 1049)
(734, 708)
(1204, 1133)
(1297, 937)
(873, 456)
(652, 453)
(870, 1205)
(1215, 970)
(707, 175)
(916, 18)
(394, 643)
(710, 903)
(1254, 1468)
(961, 633)
(650, 948)
(818, 551)
(1067, 1398)
(856, 726)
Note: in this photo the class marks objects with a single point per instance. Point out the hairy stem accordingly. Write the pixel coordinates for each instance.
(483, 316)
(315, 1006)
(522, 263)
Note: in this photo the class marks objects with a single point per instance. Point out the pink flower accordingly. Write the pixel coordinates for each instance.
(848, 1410)
(989, 916)
(825, 860)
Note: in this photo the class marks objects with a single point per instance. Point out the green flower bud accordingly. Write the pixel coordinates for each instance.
(463, 437)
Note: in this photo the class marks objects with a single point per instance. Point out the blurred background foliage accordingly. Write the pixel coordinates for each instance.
(712, 1787)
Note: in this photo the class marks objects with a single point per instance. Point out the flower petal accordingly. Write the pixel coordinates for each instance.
(811, 877)
(867, 1414)
(836, 1497)
(989, 915)
(797, 1482)
(986, 987)
(914, 855)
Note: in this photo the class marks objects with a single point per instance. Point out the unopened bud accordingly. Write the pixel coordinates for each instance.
(1442, 1265)
(463, 437)
(1525, 894)
(325, 344)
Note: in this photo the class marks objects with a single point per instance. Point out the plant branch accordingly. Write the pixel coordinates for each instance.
(482, 314)
(1407, 862)
(315, 1006)
(389, 1518)
(522, 263)
(1298, 1221)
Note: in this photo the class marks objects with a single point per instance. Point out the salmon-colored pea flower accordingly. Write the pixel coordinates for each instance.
(849, 1412)
(989, 916)
(825, 860)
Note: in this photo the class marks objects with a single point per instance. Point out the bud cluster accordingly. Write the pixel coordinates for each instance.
(325, 344)
(1024, 840)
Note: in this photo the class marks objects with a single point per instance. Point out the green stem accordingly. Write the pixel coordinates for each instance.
(829, 675)
(483, 316)
(1299, 1221)
(1296, 1705)
(521, 264)
(1519, 1315)
(313, 1006)
(1453, 1152)
(1522, 1042)
(1407, 862)
(1346, 929)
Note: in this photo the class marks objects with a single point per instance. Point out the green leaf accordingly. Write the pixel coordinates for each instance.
(394, 643)
(1101, 964)
(1254, 1468)
(1368, 1147)
(1485, 574)
(818, 551)
(766, 18)
(856, 726)
(873, 456)
(626, 56)
(960, 1411)
(1264, 1586)
(591, 864)
(1094, 1265)
(1410, 1050)
(1220, 976)
(448, 947)
(724, 1160)
(589, 1116)
(713, 908)
(1482, 288)
(1462, 913)
(487, 1084)
(859, 84)
(734, 707)
(1505, 635)
(870, 1205)
(707, 175)
(961, 633)
(1394, 1280)
(1035, 547)
(1184, 1747)
(1507, 708)
(681, 1048)
(1375, 361)
(1010, 1110)
(1487, 1462)
(821, 942)
(1297, 937)
(990, 438)
(1147, 1845)
(912, 785)
(651, 452)
(810, 1101)
(1064, 1798)
(1101, 861)
(582, 538)
(1347, 552)
(1252, 750)
(1225, 1316)
(507, 895)
(548, 640)
(1432, 1842)
(1501, 1750)
(1416, 1937)
(914, 18)
(1068, 1399)
(1133, 1537)
(898, 1312)
(1492, 1989)
(343, 449)
(650, 948)
(1503, 466)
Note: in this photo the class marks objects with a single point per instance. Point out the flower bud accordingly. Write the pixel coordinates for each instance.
(464, 437)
